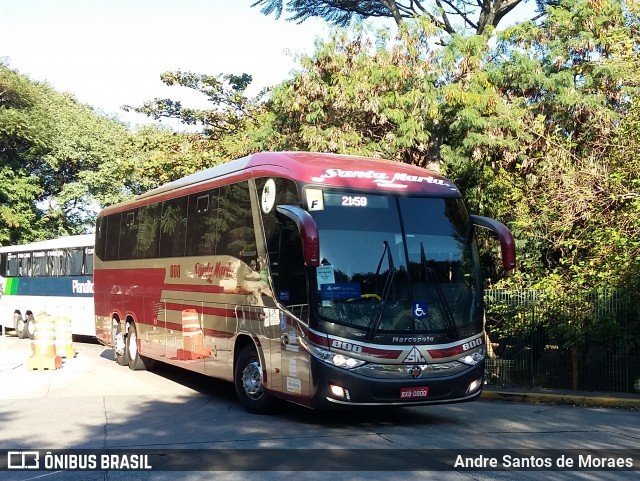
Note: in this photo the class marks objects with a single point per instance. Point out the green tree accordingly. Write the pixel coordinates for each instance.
(23, 137)
(231, 110)
(446, 14)
(156, 156)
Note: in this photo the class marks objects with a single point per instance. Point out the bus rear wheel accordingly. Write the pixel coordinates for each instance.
(248, 381)
(120, 347)
(136, 363)
(20, 326)
(30, 326)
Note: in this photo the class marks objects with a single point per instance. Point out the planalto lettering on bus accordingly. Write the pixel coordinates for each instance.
(321, 279)
(79, 287)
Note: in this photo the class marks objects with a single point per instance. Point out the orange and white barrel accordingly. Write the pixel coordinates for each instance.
(43, 346)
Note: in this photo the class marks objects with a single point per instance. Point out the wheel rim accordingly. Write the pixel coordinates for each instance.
(252, 379)
(119, 345)
(31, 327)
(133, 344)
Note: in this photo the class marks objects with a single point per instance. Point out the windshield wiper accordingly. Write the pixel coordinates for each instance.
(430, 274)
(388, 283)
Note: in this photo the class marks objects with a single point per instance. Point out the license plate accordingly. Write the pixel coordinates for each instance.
(414, 392)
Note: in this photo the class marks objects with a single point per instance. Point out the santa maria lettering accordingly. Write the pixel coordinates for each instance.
(219, 270)
(399, 180)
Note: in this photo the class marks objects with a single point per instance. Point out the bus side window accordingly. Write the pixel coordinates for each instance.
(202, 229)
(88, 261)
(292, 274)
(235, 224)
(24, 264)
(173, 227)
(286, 194)
(12, 265)
(148, 231)
(39, 264)
(56, 263)
(128, 235)
(101, 235)
(75, 261)
(112, 237)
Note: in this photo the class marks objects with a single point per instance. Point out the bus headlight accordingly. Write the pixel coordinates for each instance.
(338, 360)
(473, 358)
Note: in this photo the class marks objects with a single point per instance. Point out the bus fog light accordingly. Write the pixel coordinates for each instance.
(474, 386)
(337, 391)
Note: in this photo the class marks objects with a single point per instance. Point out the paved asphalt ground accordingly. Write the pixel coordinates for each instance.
(91, 403)
(81, 376)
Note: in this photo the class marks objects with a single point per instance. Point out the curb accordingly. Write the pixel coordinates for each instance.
(572, 399)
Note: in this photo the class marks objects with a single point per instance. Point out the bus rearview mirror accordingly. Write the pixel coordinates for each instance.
(308, 232)
(507, 244)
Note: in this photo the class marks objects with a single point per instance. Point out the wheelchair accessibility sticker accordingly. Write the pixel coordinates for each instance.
(420, 310)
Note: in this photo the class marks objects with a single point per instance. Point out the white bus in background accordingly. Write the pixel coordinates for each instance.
(53, 276)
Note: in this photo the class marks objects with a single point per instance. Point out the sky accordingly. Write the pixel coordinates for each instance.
(109, 53)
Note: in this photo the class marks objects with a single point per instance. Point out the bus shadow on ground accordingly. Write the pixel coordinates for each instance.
(224, 392)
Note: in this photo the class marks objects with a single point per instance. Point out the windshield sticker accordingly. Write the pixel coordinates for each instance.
(340, 291)
(420, 310)
(325, 275)
(268, 196)
(315, 200)
(399, 180)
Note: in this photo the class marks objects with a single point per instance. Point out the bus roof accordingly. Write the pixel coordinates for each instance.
(311, 168)
(82, 240)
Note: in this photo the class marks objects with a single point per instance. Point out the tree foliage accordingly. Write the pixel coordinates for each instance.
(230, 109)
(539, 128)
(48, 143)
(449, 15)
(529, 127)
(61, 161)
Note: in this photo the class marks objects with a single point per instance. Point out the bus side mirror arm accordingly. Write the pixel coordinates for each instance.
(308, 232)
(507, 244)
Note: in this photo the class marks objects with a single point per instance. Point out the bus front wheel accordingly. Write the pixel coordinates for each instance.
(248, 382)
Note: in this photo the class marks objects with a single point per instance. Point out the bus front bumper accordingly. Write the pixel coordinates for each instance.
(335, 386)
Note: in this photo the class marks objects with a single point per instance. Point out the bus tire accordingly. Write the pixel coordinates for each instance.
(20, 326)
(248, 382)
(30, 326)
(136, 362)
(121, 358)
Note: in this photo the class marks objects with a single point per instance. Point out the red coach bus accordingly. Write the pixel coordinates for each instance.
(321, 279)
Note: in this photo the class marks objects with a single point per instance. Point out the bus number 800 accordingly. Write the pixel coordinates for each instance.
(174, 270)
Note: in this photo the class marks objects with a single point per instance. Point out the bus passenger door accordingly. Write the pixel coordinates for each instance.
(291, 292)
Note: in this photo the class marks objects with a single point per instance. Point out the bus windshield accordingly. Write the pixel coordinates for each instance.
(396, 265)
